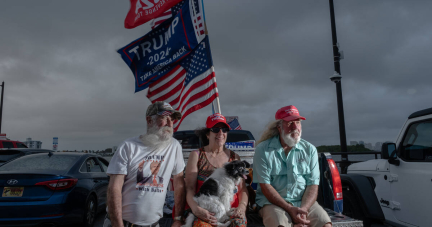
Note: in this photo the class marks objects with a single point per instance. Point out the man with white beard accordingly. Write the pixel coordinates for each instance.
(287, 172)
(141, 169)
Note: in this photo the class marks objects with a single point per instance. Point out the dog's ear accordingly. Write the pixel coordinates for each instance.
(231, 166)
(246, 164)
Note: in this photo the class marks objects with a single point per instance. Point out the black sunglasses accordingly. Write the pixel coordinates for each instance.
(216, 130)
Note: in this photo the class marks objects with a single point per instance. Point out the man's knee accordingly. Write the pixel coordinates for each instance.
(274, 216)
(318, 216)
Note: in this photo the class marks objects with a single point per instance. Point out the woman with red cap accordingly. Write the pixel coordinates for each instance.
(203, 162)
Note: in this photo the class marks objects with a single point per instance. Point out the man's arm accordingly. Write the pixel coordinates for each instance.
(179, 197)
(114, 199)
(309, 197)
(273, 196)
(312, 181)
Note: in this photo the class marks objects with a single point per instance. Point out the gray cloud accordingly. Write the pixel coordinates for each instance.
(64, 78)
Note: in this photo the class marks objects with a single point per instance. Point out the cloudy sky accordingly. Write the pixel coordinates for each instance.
(64, 78)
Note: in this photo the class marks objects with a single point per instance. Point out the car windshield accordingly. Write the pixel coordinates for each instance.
(238, 136)
(40, 162)
(7, 155)
(188, 140)
(21, 145)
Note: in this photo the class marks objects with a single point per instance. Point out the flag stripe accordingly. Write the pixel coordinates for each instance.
(200, 94)
(170, 93)
(197, 98)
(202, 83)
(164, 78)
(185, 90)
(207, 100)
(196, 88)
(171, 82)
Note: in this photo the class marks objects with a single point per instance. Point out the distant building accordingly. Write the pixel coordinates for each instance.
(361, 142)
(353, 143)
(368, 146)
(33, 144)
(378, 146)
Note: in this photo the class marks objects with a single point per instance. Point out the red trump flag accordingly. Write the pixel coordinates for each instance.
(142, 11)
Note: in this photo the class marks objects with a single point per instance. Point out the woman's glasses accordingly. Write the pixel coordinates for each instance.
(216, 130)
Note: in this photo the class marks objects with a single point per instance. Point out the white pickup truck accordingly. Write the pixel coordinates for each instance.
(394, 190)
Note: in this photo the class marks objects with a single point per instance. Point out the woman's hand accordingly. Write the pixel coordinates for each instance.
(205, 215)
(240, 211)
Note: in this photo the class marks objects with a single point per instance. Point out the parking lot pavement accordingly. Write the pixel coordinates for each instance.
(100, 219)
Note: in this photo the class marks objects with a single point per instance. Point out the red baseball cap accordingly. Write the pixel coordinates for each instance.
(213, 119)
(288, 113)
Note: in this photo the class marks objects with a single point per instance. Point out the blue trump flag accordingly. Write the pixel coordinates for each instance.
(164, 46)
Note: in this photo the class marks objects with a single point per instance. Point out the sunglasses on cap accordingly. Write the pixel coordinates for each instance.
(216, 130)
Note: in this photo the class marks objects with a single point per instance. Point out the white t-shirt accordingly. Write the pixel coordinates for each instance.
(143, 193)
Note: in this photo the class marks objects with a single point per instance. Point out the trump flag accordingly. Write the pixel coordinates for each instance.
(142, 11)
(174, 61)
(164, 46)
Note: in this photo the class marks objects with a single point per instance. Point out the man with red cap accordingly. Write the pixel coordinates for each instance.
(287, 172)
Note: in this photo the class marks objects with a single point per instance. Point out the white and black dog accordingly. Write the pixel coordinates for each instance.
(217, 192)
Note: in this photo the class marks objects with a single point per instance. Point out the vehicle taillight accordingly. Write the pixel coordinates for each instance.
(59, 184)
(337, 185)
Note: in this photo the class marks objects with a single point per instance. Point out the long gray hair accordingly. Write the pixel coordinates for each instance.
(271, 131)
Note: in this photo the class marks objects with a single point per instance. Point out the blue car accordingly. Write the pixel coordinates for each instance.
(52, 189)
(12, 153)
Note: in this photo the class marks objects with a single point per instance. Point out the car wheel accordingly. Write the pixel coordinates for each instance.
(90, 211)
(351, 206)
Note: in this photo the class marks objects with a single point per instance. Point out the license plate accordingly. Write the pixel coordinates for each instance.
(13, 191)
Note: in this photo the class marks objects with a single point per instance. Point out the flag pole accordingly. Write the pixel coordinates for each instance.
(216, 102)
(218, 105)
(1, 105)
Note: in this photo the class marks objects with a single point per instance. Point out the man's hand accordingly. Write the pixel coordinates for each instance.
(176, 223)
(298, 215)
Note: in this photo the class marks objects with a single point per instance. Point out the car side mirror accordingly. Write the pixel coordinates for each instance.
(388, 150)
(394, 161)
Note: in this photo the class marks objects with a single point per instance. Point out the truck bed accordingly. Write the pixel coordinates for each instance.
(254, 220)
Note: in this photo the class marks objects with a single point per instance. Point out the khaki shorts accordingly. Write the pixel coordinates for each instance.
(274, 216)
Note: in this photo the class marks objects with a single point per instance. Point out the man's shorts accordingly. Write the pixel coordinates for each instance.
(107, 223)
(274, 216)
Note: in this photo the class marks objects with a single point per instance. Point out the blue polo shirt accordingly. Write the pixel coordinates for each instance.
(289, 175)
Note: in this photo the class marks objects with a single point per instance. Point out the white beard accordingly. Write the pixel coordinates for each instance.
(157, 137)
(289, 140)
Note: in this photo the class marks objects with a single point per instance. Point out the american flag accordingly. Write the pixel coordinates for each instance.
(197, 16)
(188, 86)
(166, 15)
(234, 124)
